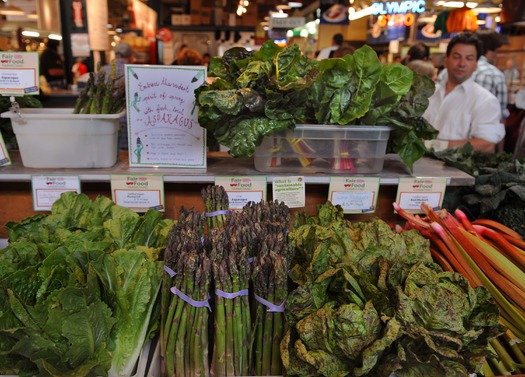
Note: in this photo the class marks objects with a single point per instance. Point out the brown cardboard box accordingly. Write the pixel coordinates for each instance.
(206, 16)
(176, 19)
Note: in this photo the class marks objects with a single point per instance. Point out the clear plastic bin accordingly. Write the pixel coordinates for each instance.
(324, 149)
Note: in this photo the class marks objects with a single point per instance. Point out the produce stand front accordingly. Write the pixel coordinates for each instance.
(182, 187)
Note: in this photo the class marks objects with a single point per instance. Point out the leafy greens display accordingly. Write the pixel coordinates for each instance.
(255, 94)
(78, 289)
(370, 302)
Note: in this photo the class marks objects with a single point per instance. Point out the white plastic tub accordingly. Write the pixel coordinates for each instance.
(57, 138)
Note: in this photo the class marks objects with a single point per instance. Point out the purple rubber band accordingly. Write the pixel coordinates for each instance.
(231, 296)
(271, 307)
(250, 260)
(218, 213)
(189, 300)
(169, 271)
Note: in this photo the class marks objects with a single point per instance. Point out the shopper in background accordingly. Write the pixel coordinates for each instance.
(78, 69)
(328, 52)
(460, 109)
(52, 66)
(123, 55)
(188, 56)
(206, 58)
(423, 67)
(345, 49)
(487, 75)
(418, 51)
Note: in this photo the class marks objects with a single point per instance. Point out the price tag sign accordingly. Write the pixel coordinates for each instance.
(163, 125)
(412, 192)
(19, 73)
(47, 189)
(354, 194)
(290, 190)
(138, 192)
(242, 190)
(4, 155)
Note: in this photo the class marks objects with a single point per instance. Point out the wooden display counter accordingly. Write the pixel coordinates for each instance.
(183, 186)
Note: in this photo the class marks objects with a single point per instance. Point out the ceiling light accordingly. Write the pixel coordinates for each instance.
(11, 10)
(295, 4)
(33, 15)
(29, 33)
(487, 7)
(279, 14)
(56, 37)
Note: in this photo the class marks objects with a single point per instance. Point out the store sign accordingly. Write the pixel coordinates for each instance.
(412, 192)
(354, 194)
(243, 189)
(4, 155)
(138, 192)
(394, 7)
(19, 74)
(286, 23)
(47, 189)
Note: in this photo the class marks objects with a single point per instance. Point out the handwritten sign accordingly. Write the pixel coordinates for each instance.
(354, 194)
(19, 73)
(163, 126)
(4, 155)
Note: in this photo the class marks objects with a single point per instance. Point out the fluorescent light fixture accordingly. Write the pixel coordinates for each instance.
(481, 22)
(30, 33)
(279, 14)
(454, 4)
(56, 37)
(11, 10)
(354, 15)
(295, 4)
(487, 7)
(32, 16)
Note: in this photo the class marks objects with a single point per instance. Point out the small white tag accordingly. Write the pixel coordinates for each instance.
(242, 190)
(138, 192)
(47, 189)
(436, 144)
(290, 190)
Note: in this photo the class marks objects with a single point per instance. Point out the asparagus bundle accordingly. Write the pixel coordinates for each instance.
(216, 203)
(185, 308)
(232, 325)
(102, 95)
(269, 277)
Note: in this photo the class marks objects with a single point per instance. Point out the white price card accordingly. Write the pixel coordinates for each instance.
(4, 154)
(47, 189)
(242, 190)
(290, 190)
(413, 192)
(19, 73)
(354, 194)
(138, 192)
(163, 127)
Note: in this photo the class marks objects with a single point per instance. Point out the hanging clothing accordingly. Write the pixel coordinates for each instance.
(462, 19)
(441, 22)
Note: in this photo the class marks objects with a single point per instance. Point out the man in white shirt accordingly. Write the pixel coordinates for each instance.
(460, 109)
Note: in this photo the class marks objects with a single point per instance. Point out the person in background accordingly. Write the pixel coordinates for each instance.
(345, 49)
(423, 67)
(52, 66)
(328, 52)
(460, 109)
(418, 51)
(487, 75)
(206, 58)
(78, 69)
(123, 55)
(188, 56)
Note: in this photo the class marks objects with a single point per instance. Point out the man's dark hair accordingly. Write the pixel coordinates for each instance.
(490, 40)
(418, 51)
(338, 39)
(466, 38)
